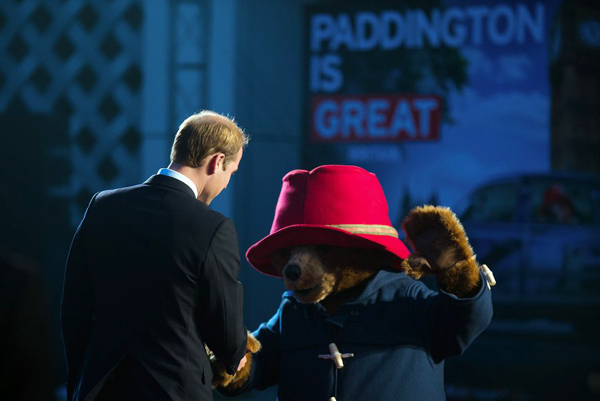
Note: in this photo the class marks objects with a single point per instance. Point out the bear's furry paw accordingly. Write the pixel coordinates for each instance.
(441, 247)
(416, 266)
(229, 383)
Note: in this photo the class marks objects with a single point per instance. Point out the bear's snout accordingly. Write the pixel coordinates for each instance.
(292, 271)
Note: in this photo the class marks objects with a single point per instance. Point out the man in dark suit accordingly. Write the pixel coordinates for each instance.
(152, 277)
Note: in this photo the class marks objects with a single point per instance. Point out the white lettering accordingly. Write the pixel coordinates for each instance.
(392, 22)
(497, 37)
(380, 118)
(366, 21)
(331, 71)
(425, 106)
(377, 109)
(477, 14)
(452, 26)
(402, 120)
(326, 123)
(321, 29)
(428, 28)
(526, 20)
(454, 13)
(343, 36)
(353, 115)
(410, 29)
(315, 73)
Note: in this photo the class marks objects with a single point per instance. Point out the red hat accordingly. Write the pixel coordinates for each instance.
(330, 205)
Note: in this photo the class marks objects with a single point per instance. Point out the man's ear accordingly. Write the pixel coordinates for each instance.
(215, 162)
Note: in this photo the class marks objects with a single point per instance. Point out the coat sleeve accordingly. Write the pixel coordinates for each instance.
(77, 307)
(264, 371)
(451, 323)
(221, 298)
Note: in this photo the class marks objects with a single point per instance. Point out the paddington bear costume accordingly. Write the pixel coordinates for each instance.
(399, 331)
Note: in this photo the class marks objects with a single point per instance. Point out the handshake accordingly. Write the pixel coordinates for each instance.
(222, 379)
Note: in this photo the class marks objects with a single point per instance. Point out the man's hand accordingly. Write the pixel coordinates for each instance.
(229, 384)
(242, 363)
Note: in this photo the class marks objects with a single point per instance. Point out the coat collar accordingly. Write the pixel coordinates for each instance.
(169, 182)
(348, 310)
(381, 279)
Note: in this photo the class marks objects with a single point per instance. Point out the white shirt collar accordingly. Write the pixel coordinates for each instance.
(172, 173)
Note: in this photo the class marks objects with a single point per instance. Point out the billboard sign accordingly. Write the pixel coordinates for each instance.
(433, 97)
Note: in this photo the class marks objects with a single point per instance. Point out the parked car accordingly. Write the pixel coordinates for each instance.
(540, 234)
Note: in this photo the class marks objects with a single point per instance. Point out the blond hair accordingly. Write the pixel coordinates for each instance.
(206, 133)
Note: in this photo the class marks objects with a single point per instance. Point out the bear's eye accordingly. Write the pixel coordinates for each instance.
(285, 253)
(323, 250)
(280, 257)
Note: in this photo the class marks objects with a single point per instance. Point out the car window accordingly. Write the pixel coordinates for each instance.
(565, 202)
(497, 203)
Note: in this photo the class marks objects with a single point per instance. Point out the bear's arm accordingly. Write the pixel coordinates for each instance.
(441, 248)
(449, 323)
(264, 369)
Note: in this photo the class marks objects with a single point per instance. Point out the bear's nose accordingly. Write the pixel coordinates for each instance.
(292, 272)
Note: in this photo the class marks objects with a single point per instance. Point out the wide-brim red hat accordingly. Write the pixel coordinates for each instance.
(330, 205)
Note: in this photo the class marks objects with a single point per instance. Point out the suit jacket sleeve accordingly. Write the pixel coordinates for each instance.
(77, 309)
(221, 298)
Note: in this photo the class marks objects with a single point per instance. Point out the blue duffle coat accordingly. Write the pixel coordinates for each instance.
(399, 331)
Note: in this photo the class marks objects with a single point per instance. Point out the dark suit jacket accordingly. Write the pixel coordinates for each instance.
(151, 277)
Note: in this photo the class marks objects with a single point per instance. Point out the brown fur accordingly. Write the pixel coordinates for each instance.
(340, 275)
(459, 273)
(334, 275)
(352, 268)
(231, 383)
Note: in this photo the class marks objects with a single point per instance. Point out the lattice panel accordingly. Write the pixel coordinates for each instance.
(189, 43)
(81, 60)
